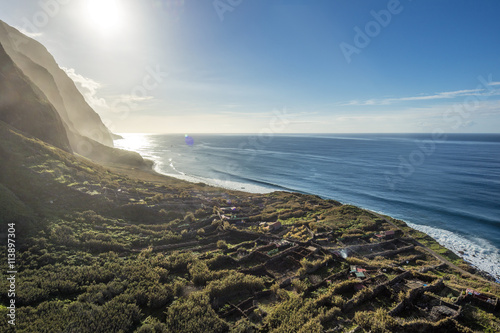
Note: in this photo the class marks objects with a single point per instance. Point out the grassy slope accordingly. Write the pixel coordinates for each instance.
(95, 254)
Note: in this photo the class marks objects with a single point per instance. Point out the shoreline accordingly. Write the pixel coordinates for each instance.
(152, 174)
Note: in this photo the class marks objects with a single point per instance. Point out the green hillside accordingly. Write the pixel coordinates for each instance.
(98, 251)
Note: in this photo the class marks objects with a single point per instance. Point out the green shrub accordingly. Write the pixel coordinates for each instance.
(194, 315)
(189, 218)
(221, 244)
(234, 283)
(378, 321)
(152, 325)
(200, 273)
(292, 315)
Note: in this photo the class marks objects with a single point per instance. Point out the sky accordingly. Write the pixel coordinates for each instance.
(276, 66)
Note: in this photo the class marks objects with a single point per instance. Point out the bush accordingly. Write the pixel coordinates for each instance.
(221, 244)
(329, 315)
(200, 273)
(201, 213)
(222, 262)
(356, 261)
(293, 315)
(152, 325)
(236, 282)
(117, 315)
(378, 321)
(243, 326)
(312, 326)
(189, 218)
(178, 262)
(299, 285)
(194, 315)
(158, 295)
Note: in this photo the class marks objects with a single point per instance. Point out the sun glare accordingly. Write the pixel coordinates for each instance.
(105, 15)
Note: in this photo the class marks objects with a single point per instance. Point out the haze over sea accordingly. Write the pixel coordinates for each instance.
(448, 188)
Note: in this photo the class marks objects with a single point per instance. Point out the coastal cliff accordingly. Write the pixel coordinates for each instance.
(39, 98)
(24, 106)
(79, 119)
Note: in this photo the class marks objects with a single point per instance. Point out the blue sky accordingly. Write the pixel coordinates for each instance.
(236, 66)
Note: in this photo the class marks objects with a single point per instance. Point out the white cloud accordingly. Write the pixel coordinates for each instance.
(134, 98)
(88, 88)
(441, 95)
(449, 117)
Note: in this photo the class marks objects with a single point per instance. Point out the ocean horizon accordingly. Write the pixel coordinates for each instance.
(443, 185)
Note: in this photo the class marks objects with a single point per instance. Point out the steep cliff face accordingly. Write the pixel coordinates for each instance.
(80, 120)
(25, 107)
(39, 99)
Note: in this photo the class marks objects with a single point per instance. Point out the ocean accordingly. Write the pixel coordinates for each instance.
(447, 186)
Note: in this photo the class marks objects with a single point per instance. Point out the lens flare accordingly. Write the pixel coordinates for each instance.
(189, 140)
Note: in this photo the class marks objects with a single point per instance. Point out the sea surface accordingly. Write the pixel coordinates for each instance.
(446, 186)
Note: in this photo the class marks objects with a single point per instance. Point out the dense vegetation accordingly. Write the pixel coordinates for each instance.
(101, 252)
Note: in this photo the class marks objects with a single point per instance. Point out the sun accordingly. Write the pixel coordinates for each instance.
(107, 16)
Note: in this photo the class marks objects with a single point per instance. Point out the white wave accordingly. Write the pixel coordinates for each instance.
(173, 168)
(477, 251)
